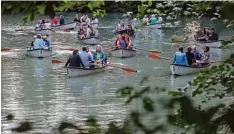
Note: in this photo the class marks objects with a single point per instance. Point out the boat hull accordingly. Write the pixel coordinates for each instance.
(44, 32)
(68, 26)
(186, 70)
(213, 44)
(157, 25)
(39, 53)
(76, 71)
(123, 53)
(91, 40)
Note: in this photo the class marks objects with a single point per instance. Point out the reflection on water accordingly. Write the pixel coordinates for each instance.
(37, 90)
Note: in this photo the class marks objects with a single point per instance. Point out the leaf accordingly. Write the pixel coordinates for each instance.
(94, 4)
(24, 126)
(148, 104)
(41, 9)
(10, 117)
(9, 6)
(150, 3)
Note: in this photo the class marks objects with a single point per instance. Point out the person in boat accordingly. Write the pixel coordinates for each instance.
(196, 53)
(122, 27)
(74, 60)
(82, 33)
(119, 37)
(94, 20)
(145, 19)
(90, 31)
(37, 27)
(213, 35)
(160, 19)
(87, 20)
(206, 55)
(39, 43)
(47, 24)
(76, 19)
(61, 20)
(153, 19)
(54, 21)
(128, 41)
(34, 38)
(180, 57)
(118, 27)
(190, 56)
(99, 56)
(46, 41)
(121, 43)
(86, 58)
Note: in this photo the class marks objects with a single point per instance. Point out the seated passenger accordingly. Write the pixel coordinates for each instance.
(61, 20)
(34, 38)
(94, 20)
(46, 41)
(206, 55)
(81, 33)
(39, 43)
(74, 60)
(128, 41)
(213, 36)
(145, 19)
(119, 37)
(76, 19)
(86, 58)
(89, 31)
(180, 58)
(54, 21)
(160, 19)
(196, 53)
(121, 43)
(153, 20)
(190, 56)
(47, 24)
(99, 55)
(122, 27)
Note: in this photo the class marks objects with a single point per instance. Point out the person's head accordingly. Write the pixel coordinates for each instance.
(99, 48)
(84, 49)
(119, 37)
(206, 49)
(61, 16)
(44, 37)
(189, 49)
(181, 49)
(34, 37)
(75, 52)
(39, 36)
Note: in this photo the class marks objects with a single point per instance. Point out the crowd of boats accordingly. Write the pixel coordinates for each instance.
(88, 61)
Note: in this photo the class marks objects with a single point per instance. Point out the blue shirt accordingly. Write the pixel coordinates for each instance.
(86, 58)
(180, 58)
(102, 56)
(47, 43)
(123, 44)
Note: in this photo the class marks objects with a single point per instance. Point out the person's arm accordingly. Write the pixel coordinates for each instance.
(118, 44)
(68, 61)
(81, 63)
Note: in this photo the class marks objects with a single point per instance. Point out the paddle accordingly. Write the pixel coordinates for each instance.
(5, 49)
(151, 51)
(154, 56)
(123, 68)
(17, 30)
(69, 49)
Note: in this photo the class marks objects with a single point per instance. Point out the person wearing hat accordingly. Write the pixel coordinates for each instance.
(153, 19)
(180, 58)
(61, 20)
(46, 41)
(74, 60)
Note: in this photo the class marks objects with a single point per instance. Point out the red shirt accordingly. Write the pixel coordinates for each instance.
(54, 20)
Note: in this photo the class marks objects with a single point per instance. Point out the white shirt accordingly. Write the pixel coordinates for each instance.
(47, 25)
(38, 43)
(160, 19)
(88, 32)
(88, 21)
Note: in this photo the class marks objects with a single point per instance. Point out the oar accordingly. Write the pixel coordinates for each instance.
(154, 56)
(17, 30)
(127, 69)
(123, 68)
(151, 51)
(69, 49)
(177, 41)
(5, 49)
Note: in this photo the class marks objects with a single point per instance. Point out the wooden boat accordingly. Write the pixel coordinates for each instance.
(68, 26)
(156, 25)
(78, 71)
(212, 44)
(123, 53)
(92, 40)
(127, 31)
(186, 70)
(44, 31)
(39, 53)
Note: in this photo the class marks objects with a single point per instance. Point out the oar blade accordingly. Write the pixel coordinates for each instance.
(5, 49)
(69, 49)
(176, 41)
(18, 30)
(56, 61)
(65, 30)
(129, 70)
(154, 56)
(154, 51)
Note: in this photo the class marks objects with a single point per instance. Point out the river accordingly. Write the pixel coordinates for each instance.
(39, 91)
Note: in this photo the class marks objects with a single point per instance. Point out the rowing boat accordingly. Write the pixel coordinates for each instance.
(78, 71)
(39, 53)
(156, 25)
(212, 44)
(186, 70)
(123, 53)
(44, 31)
(92, 40)
(68, 26)
(127, 31)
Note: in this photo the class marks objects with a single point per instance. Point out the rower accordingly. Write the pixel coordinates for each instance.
(74, 60)
(153, 19)
(190, 56)
(121, 43)
(180, 57)
(61, 20)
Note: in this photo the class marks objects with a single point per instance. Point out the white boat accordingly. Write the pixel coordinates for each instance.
(212, 44)
(44, 31)
(186, 70)
(78, 71)
(92, 40)
(156, 25)
(68, 26)
(123, 53)
(39, 53)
